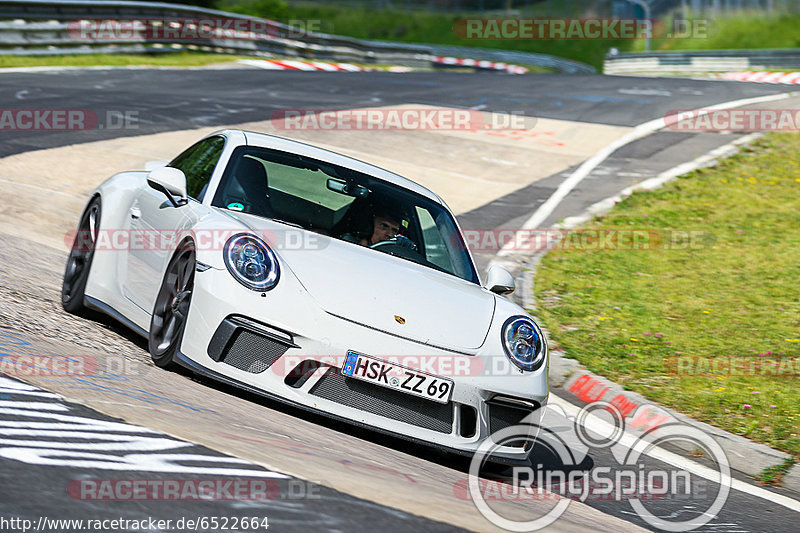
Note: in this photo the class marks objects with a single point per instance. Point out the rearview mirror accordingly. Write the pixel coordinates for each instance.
(348, 188)
(500, 281)
(171, 182)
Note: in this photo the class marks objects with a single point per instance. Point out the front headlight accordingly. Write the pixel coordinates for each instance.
(251, 262)
(523, 342)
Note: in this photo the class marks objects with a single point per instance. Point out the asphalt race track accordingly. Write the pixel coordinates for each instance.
(64, 440)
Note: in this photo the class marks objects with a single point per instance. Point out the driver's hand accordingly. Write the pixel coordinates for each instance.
(405, 242)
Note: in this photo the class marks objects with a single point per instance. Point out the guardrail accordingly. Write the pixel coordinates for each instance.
(701, 61)
(42, 27)
(56, 21)
(518, 58)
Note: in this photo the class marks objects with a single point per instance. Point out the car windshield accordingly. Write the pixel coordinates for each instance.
(345, 204)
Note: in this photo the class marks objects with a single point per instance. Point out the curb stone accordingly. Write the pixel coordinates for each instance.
(642, 414)
(792, 478)
(744, 455)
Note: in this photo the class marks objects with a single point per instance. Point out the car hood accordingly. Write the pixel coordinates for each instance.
(382, 292)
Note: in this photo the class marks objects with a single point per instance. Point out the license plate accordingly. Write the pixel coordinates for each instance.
(397, 377)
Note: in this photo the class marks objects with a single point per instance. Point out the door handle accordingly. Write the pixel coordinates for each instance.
(136, 212)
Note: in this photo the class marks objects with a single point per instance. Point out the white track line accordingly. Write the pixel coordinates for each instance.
(602, 427)
(605, 205)
(566, 187)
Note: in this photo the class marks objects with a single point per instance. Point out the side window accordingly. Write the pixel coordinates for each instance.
(197, 163)
(435, 250)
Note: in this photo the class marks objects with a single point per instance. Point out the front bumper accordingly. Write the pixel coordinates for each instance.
(283, 345)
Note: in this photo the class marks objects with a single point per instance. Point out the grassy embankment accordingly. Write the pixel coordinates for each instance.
(414, 27)
(657, 319)
(181, 59)
(743, 31)
(746, 31)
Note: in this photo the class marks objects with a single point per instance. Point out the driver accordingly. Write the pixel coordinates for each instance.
(385, 226)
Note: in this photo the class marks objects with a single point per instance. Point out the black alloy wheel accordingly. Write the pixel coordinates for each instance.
(168, 321)
(80, 258)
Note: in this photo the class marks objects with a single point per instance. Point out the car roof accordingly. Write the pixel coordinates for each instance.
(283, 144)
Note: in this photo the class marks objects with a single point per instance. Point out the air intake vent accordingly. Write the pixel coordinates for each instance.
(509, 412)
(253, 353)
(248, 345)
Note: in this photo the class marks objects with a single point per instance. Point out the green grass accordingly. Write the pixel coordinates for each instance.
(627, 314)
(177, 59)
(745, 31)
(773, 475)
(412, 27)
(90, 60)
(741, 31)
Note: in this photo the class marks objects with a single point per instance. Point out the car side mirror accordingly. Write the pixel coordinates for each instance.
(171, 182)
(499, 280)
(152, 165)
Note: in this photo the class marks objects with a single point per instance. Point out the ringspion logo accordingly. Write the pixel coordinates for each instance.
(569, 476)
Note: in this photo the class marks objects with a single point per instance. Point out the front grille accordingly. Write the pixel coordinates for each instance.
(384, 402)
(251, 352)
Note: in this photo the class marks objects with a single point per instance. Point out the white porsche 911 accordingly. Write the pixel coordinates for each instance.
(314, 279)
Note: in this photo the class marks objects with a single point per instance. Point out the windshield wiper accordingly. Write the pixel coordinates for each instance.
(293, 224)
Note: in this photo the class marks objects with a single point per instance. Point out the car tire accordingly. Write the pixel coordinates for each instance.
(168, 321)
(79, 262)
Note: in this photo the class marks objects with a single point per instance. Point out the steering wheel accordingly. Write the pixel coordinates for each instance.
(400, 246)
(397, 240)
